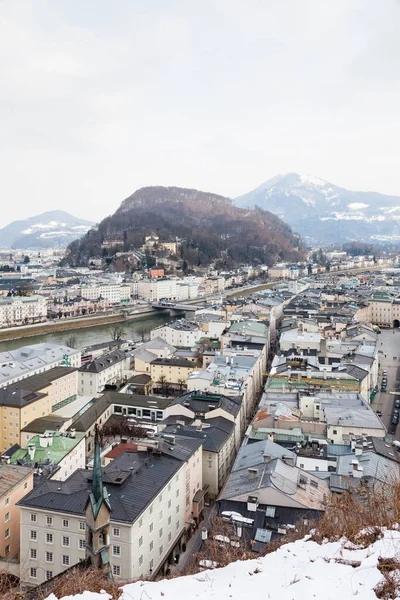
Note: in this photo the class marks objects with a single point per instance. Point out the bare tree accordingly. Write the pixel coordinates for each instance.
(181, 383)
(71, 341)
(164, 385)
(116, 333)
(143, 333)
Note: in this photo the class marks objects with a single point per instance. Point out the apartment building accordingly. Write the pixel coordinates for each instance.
(94, 375)
(152, 497)
(34, 397)
(15, 483)
(181, 333)
(175, 370)
(16, 365)
(153, 290)
(22, 310)
(55, 455)
(113, 292)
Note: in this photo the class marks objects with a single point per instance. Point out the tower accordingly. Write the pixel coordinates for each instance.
(98, 511)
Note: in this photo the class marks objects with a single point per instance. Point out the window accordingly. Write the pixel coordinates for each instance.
(25, 485)
(33, 553)
(49, 557)
(160, 533)
(141, 520)
(151, 563)
(151, 527)
(334, 432)
(177, 524)
(7, 501)
(161, 550)
(177, 493)
(177, 509)
(140, 560)
(151, 546)
(82, 525)
(7, 517)
(141, 541)
(7, 533)
(33, 518)
(65, 540)
(116, 531)
(270, 511)
(160, 517)
(49, 575)
(116, 550)
(49, 538)
(169, 536)
(116, 570)
(33, 534)
(169, 503)
(7, 550)
(65, 523)
(65, 560)
(82, 544)
(169, 520)
(151, 511)
(49, 520)
(33, 572)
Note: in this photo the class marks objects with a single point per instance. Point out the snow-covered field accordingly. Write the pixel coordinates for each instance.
(303, 570)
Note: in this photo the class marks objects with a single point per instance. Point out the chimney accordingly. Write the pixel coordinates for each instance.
(267, 458)
(308, 372)
(31, 451)
(357, 469)
(358, 450)
(72, 432)
(252, 473)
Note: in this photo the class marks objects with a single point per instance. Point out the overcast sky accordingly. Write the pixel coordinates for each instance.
(100, 97)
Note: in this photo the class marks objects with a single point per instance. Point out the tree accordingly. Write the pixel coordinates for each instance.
(181, 383)
(26, 259)
(165, 387)
(116, 333)
(309, 269)
(143, 332)
(71, 341)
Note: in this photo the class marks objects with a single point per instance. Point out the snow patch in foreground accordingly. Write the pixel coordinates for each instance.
(299, 571)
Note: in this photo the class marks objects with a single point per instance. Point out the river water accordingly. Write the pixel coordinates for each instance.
(91, 335)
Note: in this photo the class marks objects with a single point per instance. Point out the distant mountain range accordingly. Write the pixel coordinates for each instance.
(325, 213)
(52, 229)
(209, 226)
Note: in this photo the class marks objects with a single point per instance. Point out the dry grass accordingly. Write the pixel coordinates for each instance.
(77, 581)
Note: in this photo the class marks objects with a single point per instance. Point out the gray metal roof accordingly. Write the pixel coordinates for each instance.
(373, 466)
(251, 454)
(132, 480)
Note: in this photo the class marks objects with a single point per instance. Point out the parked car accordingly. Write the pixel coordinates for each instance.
(397, 403)
(384, 373)
(395, 419)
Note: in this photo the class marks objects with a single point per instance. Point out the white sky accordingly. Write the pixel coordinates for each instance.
(100, 97)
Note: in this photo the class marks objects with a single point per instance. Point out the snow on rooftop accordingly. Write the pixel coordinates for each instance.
(296, 571)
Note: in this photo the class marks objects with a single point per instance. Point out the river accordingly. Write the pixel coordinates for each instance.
(91, 335)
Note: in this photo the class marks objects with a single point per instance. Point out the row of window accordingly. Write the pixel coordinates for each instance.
(65, 539)
(50, 521)
(49, 556)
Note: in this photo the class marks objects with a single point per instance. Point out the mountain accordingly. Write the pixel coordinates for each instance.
(52, 229)
(325, 213)
(209, 226)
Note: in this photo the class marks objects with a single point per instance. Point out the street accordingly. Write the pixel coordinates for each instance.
(389, 358)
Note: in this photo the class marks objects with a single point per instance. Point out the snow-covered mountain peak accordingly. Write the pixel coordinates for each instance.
(332, 213)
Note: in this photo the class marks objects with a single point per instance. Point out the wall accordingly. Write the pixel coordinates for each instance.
(8, 505)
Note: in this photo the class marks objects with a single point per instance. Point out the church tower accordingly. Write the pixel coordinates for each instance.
(98, 511)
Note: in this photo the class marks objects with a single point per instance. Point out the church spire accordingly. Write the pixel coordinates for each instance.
(97, 483)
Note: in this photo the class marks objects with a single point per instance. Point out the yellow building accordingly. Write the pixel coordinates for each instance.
(15, 483)
(31, 398)
(175, 370)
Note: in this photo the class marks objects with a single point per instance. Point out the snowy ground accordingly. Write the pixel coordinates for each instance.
(303, 570)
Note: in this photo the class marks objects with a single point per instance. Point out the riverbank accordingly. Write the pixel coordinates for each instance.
(26, 331)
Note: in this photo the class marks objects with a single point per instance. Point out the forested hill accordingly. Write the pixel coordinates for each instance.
(209, 226)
